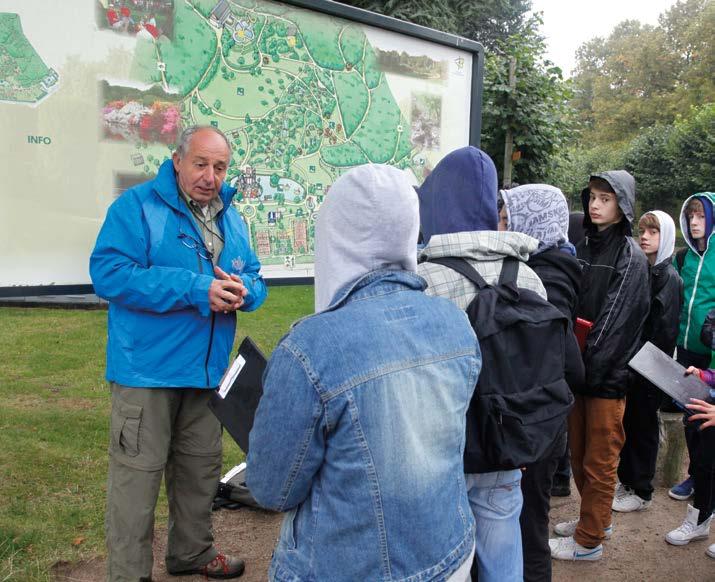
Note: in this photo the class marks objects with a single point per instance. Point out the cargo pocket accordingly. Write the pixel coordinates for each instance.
(126, 426)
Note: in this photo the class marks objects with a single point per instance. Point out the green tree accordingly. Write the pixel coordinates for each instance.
(536, 109)
(641, 75)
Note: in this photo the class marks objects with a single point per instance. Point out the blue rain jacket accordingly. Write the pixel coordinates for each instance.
(146, 263)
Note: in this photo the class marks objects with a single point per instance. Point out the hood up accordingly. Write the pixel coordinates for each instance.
(624, 185)
(460, 195)
(708, 199)
(667, 236)
(540, 211)
(368, 221)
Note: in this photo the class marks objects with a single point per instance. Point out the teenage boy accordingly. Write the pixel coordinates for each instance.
(696, 266)
(458, 218)
(637, 467)
(614, 298)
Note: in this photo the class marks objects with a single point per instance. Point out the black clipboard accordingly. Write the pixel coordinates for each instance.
(236, 400)
(668, 375)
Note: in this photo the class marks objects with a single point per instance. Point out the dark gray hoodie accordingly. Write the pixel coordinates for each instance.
(615, 294)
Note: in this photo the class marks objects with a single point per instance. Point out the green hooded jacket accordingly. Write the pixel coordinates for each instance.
(698, 274)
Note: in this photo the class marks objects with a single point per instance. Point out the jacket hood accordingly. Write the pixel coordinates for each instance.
(540, 211)
(624, 185)
(667, 236)
(368, 221)
(708, 200)
(460, 195)
(166, 186)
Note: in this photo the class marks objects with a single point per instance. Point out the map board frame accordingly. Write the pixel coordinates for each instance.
(359, 16)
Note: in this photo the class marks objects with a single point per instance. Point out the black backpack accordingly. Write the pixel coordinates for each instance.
(521, 400)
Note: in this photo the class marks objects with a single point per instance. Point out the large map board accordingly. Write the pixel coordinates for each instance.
(94, 93)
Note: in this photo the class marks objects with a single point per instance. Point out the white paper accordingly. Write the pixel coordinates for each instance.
(231, 376)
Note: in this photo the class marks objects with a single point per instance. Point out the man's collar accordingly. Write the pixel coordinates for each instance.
(215, 205)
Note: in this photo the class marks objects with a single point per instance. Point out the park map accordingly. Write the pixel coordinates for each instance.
(301, 95)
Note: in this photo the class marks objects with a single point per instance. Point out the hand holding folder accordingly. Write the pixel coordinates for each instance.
(236, 400)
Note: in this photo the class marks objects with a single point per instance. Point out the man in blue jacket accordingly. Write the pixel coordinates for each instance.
(173, 260)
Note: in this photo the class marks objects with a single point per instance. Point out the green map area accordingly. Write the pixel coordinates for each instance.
(299, 94)
(24, 77)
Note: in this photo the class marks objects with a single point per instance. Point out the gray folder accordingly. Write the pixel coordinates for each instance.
(668, 375)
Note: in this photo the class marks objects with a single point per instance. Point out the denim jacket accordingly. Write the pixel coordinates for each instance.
(359, 436)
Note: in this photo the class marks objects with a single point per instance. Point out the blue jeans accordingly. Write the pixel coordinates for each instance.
(496, 500)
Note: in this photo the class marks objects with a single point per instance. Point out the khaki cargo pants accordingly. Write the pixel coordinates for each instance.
(155, 432)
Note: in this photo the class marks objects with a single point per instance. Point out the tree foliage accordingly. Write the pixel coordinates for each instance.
(669, 162)
(536, 110)
(641, 75)
(674, 161)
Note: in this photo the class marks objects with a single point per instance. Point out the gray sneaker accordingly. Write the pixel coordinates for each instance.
(568, 528)
(630, 502)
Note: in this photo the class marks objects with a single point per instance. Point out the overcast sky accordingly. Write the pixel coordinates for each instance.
(569, 23)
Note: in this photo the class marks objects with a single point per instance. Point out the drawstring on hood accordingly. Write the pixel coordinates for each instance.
(368, 221)
(541, 211)
(460, 195)
(624, 185)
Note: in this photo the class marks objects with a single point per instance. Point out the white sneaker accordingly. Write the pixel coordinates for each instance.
(689, 530)
(569, 549)
(711, 551)
(568, 528)
(621, 490)
(630, 502)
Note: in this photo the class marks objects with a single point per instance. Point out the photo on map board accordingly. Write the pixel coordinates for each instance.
(123, 181)
(133, 115)
(426, 121)
(150, 19)
(419, 66)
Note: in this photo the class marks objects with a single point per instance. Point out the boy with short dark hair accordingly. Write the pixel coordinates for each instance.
(615, 300)
(638, 457)
(696, 266)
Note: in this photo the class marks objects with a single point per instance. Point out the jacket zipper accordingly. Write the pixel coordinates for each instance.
(213, 315)
(692, 300)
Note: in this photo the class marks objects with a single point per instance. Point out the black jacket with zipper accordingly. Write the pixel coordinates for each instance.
(619, 310)
(666, 292)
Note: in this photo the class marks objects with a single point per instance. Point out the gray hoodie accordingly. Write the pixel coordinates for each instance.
(369, 221)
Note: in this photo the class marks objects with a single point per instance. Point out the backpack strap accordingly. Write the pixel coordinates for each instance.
(509, 271)
(462, 267)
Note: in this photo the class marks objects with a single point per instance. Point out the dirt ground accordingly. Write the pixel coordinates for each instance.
(636, 552)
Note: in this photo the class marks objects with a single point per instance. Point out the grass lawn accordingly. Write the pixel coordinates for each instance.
(54, 419)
